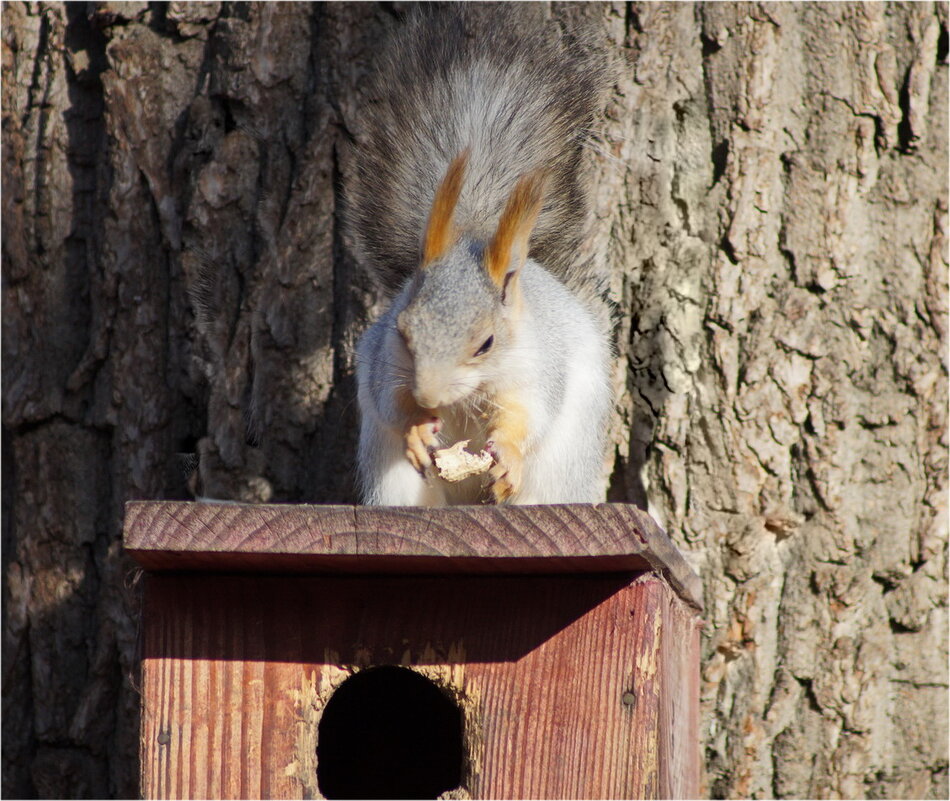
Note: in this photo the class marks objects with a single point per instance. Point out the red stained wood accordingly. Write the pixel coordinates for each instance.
(544, 663)
(569, 636)
(568, 538)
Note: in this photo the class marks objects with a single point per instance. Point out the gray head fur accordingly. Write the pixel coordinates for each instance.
(452, 298)
(455, 307)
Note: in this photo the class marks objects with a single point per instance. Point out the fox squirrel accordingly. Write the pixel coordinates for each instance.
(468, 202)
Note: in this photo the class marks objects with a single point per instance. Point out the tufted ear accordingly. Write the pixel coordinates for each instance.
(508, 250)
(440, 233)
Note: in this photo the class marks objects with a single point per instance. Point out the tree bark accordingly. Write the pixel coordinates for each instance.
(181, 305)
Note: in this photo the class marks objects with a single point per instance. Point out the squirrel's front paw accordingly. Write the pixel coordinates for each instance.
(421, 440)
(506, 474)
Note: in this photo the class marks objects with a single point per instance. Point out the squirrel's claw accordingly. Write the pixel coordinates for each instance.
(506, 474)
(421, 441)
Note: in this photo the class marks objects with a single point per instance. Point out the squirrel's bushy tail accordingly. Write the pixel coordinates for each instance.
(502, 81)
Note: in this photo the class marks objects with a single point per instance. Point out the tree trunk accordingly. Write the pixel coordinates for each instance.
(181, 304)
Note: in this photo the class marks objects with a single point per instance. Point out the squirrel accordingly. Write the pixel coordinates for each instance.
(469, 202)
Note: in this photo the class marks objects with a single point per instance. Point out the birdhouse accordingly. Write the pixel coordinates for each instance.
(377, 652)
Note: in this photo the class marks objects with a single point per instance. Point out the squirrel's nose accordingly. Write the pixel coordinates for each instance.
(425, 398)
(427, 393)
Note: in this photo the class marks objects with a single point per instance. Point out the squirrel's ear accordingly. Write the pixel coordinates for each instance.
(506, 254)
(440, 233)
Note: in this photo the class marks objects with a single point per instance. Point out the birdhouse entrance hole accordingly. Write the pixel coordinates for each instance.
(389, 732)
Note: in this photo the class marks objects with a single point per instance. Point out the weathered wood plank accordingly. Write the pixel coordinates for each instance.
(680, 758)
(569, 538)
(561, 679)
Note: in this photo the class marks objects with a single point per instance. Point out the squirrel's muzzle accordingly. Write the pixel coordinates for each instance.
(427, 397)
(431, 391)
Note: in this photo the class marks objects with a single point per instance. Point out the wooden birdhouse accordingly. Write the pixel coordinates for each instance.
(466, 652)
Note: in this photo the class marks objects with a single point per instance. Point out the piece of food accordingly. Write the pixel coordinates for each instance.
(456, 464)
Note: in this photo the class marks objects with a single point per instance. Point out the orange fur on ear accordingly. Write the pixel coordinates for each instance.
(440, 233)
(515, 226)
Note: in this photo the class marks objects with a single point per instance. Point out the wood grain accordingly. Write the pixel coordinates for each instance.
(563, 679)
(680, 757)
(569, 538)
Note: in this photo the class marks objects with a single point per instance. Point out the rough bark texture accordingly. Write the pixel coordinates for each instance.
(771, 208)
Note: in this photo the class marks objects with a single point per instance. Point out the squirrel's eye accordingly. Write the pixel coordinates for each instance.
(485, 346)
